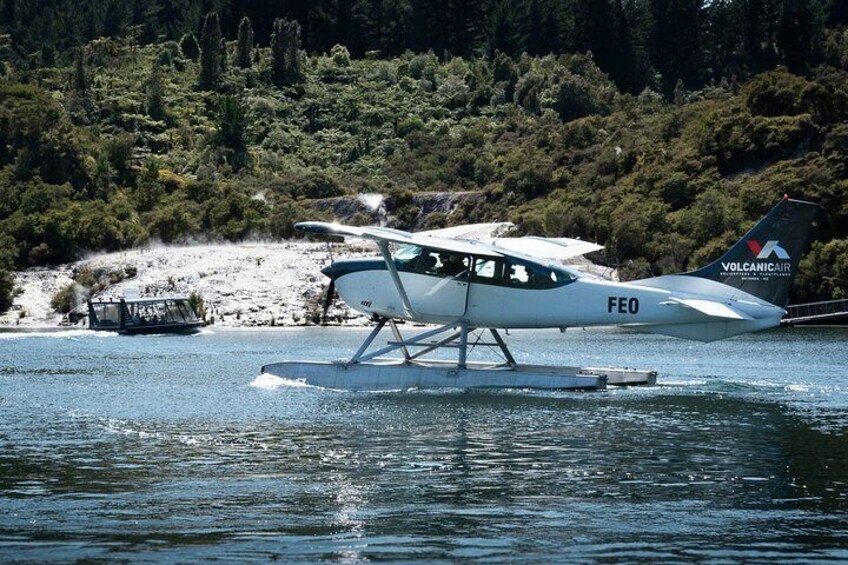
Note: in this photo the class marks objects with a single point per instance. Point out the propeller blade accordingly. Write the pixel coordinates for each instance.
(328, 300)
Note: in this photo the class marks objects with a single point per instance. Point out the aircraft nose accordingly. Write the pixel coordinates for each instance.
(331, 271)
(340, 268)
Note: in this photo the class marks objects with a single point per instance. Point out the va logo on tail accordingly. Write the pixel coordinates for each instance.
(765, 251)
(760, 270)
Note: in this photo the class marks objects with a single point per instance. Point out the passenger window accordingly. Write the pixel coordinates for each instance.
(451, 264)
(517, 275)
(486, 270)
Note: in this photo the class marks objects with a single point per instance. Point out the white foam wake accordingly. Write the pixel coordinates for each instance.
(271, 382)
(54, 333)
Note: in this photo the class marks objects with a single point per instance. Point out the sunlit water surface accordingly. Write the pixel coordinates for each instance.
(159, 449)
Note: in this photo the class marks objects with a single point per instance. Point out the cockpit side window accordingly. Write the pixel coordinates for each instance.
(487, 270)
(414, 259)
(519, 274)
(431, 261)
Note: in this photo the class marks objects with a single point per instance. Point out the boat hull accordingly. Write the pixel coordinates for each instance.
(182, 329)
(189, 328)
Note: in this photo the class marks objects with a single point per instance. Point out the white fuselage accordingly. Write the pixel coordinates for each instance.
(581, 302)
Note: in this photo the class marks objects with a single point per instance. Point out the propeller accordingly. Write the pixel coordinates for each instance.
(328, 300)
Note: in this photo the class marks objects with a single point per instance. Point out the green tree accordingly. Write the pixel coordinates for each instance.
(232, 131)
(8, 251)
(223, 60)
(760, 28)
(114, 18)
(570, 96)
(504, 32)
(79, 80)
(285, 53)
(465, 28)
(7, 286)
(155, 99)
(210, 52)
(340, 56)
(542, 28)
(48, 55)
(189, 46)
(796, 34)
(676, 37)
(244, 47)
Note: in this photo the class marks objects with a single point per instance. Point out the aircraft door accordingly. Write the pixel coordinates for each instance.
(443, 292)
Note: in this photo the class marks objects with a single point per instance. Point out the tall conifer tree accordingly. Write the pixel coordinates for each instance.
(465, 29)
(796, 34)
(114, 19)
(155, 100)
(278, 53)
(210, 52)
(232, 131)
(504, 31)
(79, 81)
(244, 47)
(285, 52)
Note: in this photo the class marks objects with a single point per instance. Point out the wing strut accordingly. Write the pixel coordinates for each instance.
(390, 265)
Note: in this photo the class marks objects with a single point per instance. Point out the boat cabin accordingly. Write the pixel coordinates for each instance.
(144, 315)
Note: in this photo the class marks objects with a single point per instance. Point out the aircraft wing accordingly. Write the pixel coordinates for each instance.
(478, 232)
(465, 239)
(551, 248)
(397, 236)
(710, 308)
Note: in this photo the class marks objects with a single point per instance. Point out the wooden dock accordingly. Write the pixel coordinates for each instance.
(828, 312)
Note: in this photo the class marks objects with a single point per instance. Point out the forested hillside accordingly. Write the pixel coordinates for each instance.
(661, 128)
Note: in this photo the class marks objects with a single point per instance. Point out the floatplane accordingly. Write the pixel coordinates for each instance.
(472, 287)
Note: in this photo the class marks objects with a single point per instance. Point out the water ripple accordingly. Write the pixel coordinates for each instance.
(150, 450)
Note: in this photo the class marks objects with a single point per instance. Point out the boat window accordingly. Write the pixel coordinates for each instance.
(186, 311)
(107, 314)
(172, 313)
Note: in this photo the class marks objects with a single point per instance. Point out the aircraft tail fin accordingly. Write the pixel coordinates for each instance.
(764, 262)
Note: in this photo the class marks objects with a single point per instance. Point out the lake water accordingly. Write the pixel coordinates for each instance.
(159, 449)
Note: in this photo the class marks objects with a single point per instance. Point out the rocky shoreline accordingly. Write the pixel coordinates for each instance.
(244, 285)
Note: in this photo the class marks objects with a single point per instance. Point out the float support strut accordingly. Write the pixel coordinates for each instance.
(463, 343)
(509, 358)
(399, 338)
(368, 340)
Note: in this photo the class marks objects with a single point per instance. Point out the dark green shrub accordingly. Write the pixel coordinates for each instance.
(68, 298)
(7, 287)
(775, 93)
(189, 47)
